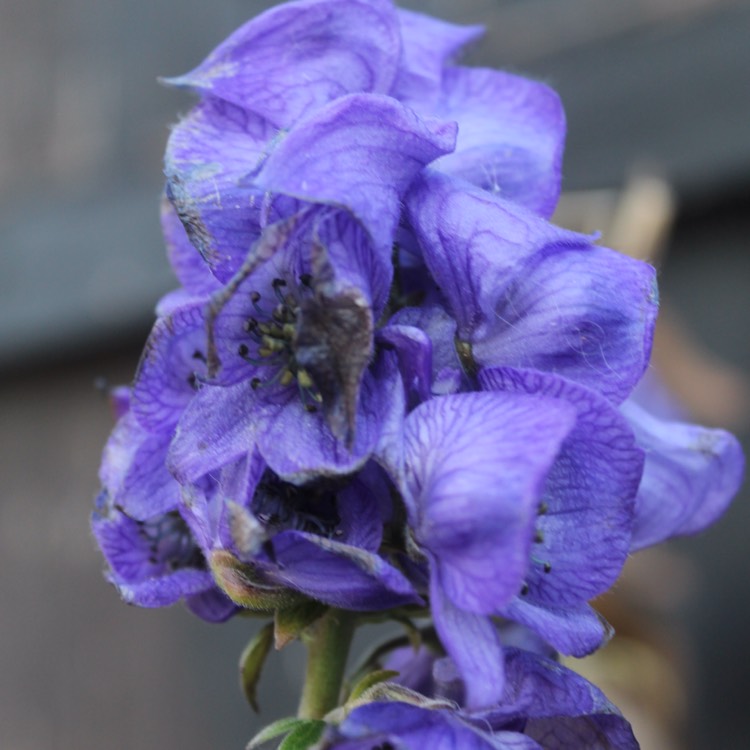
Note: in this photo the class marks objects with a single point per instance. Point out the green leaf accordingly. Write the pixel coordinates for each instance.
(381, 675)
(291, 621)
(276, 729)
(251, 663)
(304, 735)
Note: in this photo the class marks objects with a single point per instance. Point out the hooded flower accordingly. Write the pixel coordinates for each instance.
(265, 538)
(306, 297)
(517, 291)
(291, 62)
(153, 559)
(163, 535)
(544, 706)
(529, 534)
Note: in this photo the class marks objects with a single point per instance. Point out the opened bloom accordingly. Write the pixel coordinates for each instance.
(388, 383)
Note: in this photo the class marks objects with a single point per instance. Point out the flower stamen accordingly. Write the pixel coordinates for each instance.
(273, 339)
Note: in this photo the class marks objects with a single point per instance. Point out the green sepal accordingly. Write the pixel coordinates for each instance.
(245, 586)
(390, 691)
(289, 622)
(386, 691)
(373, 678)
(274, 730)
(251, 663)
(304, 735)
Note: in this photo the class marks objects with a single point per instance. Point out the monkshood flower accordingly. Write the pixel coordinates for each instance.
(265, 537)
(515, 290)
(265, 396)
(333, 280)
(521, 499)
(294, 60)
(389, 387)
(239, 537)
(153, 559)
(320, 539)
(544, 705)
(524, 499)
(156, 562)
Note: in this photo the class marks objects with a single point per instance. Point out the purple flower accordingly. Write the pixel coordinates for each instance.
(544, 705)
(292, 62)
(163, 541)
(155, 562)
(521, 499)
(153, 559)
(321, 250)
(320, 540)
(387, 380)
(517, 291)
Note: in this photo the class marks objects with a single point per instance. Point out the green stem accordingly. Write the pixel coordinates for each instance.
(328, 642)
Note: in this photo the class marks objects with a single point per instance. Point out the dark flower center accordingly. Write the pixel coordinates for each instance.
(281, 506)
(272, 335)
(169, 541)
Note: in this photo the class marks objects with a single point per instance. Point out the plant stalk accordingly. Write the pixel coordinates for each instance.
(328, 641)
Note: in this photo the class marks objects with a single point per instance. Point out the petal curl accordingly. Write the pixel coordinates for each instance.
(559, 707)
(295, 58)
(209, 155)
(374, 146)
(339, 574)
(186, 261)
(573, 631)
(511, 135)
(428, 45)
(691, 475)
(166, 590)
(525, 293)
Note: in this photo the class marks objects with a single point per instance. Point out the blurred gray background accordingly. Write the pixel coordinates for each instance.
(83, 123)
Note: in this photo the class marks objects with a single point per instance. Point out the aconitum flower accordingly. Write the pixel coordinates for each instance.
(161, 532)
(386, 381)
(265, 537)
(518, 291)
(544, 706)
(521, 498)
(153, 559)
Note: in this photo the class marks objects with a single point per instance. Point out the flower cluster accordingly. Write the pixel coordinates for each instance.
(387, 383)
